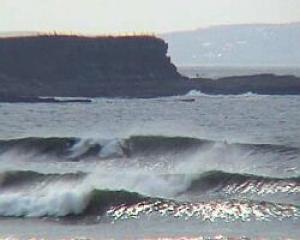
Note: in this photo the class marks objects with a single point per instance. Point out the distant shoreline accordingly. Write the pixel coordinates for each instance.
(269, 84)
(220, 71)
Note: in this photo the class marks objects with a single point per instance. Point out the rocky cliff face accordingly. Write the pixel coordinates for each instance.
(72, 66)
(86, 66)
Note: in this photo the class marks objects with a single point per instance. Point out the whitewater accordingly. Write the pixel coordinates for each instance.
(194, 166)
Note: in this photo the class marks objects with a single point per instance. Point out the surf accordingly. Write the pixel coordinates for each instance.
(75, 149)
(33, 194)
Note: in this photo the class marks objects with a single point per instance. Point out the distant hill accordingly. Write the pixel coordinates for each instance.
(248, 44)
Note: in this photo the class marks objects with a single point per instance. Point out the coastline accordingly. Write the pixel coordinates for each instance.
(35, 67)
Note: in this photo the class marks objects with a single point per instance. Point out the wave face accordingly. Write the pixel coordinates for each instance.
(149, 175)
(243, 183)
(14, 179)
(212, 181)
(75, 149)
(33, 194)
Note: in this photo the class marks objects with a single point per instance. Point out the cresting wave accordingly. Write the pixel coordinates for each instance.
(75, 149)
(103, 204)
(142, 175)
(33, 194)
(15, 179)
(214, 181)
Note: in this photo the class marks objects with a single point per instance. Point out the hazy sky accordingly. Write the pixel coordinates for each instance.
(151, 16)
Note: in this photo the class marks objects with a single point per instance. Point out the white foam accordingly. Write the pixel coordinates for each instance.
(112, 148)
(56, 200)
(108, 148)
(195, 93)
(249, 94)
(198, 93)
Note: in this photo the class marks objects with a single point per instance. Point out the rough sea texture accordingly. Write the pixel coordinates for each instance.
(194, 166)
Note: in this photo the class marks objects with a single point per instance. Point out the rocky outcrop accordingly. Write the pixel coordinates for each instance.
(87, 66)
(28, 99)
(74, 66)
(260, 84)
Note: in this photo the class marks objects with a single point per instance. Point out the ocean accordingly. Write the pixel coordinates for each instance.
(182, 167)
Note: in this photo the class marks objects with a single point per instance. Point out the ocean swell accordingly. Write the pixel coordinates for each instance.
(141, 175)
(76, 149)
(32, 194)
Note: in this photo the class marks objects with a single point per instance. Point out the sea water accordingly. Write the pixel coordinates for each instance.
(185, 166)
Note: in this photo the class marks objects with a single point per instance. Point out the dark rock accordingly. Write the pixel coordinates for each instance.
(187, 100)
(259, 84)
(16, 99)
(75, 66)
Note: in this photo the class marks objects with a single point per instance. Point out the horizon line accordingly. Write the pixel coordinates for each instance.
(23, 33)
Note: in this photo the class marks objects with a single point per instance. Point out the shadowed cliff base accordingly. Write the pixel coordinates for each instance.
(130, 66)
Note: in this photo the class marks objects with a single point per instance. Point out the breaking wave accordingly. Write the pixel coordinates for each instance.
(75, 149)
(198, 93)
(142, 175)
(124, 205)
(211, 180)
(33, 194)
(195, 93)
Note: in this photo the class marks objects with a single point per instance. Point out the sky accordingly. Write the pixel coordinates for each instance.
(139, 16)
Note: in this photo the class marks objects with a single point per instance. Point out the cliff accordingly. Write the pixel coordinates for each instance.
(74, 66)
(86, 66)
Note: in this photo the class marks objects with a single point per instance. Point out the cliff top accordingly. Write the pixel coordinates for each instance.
(84, 38)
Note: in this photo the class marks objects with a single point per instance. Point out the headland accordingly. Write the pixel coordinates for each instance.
(129, 66)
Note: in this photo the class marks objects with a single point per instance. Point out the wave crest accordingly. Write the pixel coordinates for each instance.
(75, 149)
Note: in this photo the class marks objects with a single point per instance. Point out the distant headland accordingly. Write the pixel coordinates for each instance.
(130, 66)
